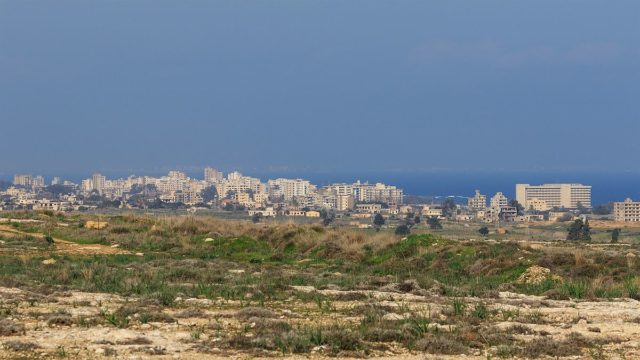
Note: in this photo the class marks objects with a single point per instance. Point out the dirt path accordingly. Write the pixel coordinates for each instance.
(69, 247)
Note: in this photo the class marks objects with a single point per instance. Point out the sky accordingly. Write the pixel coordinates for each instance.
(329, 86)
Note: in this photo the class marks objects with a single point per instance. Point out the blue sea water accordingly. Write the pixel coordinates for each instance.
(606, 186)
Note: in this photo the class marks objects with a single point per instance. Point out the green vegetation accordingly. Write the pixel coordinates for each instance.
(484, 231)
(579, 230)
(403, 230)
(615, 235)
(434, 223)
(259, 268)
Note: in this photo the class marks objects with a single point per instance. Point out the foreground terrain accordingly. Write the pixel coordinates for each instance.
(194, 287)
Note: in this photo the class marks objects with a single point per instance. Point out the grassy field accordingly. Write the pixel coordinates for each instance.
(273, 289)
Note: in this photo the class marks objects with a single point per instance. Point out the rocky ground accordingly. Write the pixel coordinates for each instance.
(85, 325)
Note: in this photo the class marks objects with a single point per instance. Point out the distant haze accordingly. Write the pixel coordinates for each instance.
(319, 86)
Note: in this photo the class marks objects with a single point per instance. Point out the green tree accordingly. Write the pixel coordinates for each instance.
(585, 233)
(256, 217)
(403, 230)
(409, 220)
(434, 223)
(615, 235)
(210, 193)
(327, 217)
(603, 209)
(514, 203)
(449, 207)
(582, 209)
(579, 230)
(484, 231)
(378, 221)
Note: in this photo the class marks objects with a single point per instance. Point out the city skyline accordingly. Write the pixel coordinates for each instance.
(235, 192)
(608, 187)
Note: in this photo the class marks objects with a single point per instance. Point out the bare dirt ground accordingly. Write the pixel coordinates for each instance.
(64, 324)
(68, 247)
(613, 224)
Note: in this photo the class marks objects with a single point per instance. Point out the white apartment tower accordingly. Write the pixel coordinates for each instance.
(23, 180)
(292, 188)
(212, 175)
(567, 196)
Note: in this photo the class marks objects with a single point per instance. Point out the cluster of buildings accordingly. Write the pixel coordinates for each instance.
(215, 189)
(298, 197)
(531, 203)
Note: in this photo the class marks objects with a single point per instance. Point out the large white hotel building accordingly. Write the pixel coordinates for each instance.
(548, 196)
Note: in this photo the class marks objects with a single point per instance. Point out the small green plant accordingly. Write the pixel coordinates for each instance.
(49, 239)
(145, 317)
(419, 324)
(115, 319)
(509, 314)
(632, 289)
(61, 352)
(197, 333)
(458, 306)
(575, 289)
(480, 311)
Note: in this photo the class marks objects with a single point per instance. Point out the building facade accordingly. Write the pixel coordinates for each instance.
(568, 196)
(478, 201)
(499, 201)
(627, 211)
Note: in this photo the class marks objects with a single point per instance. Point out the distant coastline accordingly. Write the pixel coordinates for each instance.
(607, 186)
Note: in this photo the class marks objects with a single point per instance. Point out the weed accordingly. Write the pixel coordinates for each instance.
(458, 306)
(480, 311)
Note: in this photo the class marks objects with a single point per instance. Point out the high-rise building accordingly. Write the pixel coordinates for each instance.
(98, 182)
(38, 182)
(569, 196)
(292, 188)
(56, 181)
(212, 175)
(478, 201)
(344, 202)
(626, 211)
(177, 175)
(25, 180)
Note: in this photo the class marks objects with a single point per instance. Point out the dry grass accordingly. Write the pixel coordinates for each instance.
(11, 328)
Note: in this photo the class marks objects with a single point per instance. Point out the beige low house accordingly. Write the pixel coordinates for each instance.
(312, 214)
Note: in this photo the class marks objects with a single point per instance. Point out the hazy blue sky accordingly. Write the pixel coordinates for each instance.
(319, 85)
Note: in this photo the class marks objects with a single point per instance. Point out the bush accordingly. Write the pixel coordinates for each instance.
(484, 231)
(20, 346)
(10, 328)
(403, 230)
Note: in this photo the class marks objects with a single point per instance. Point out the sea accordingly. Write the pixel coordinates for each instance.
(606, 187)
